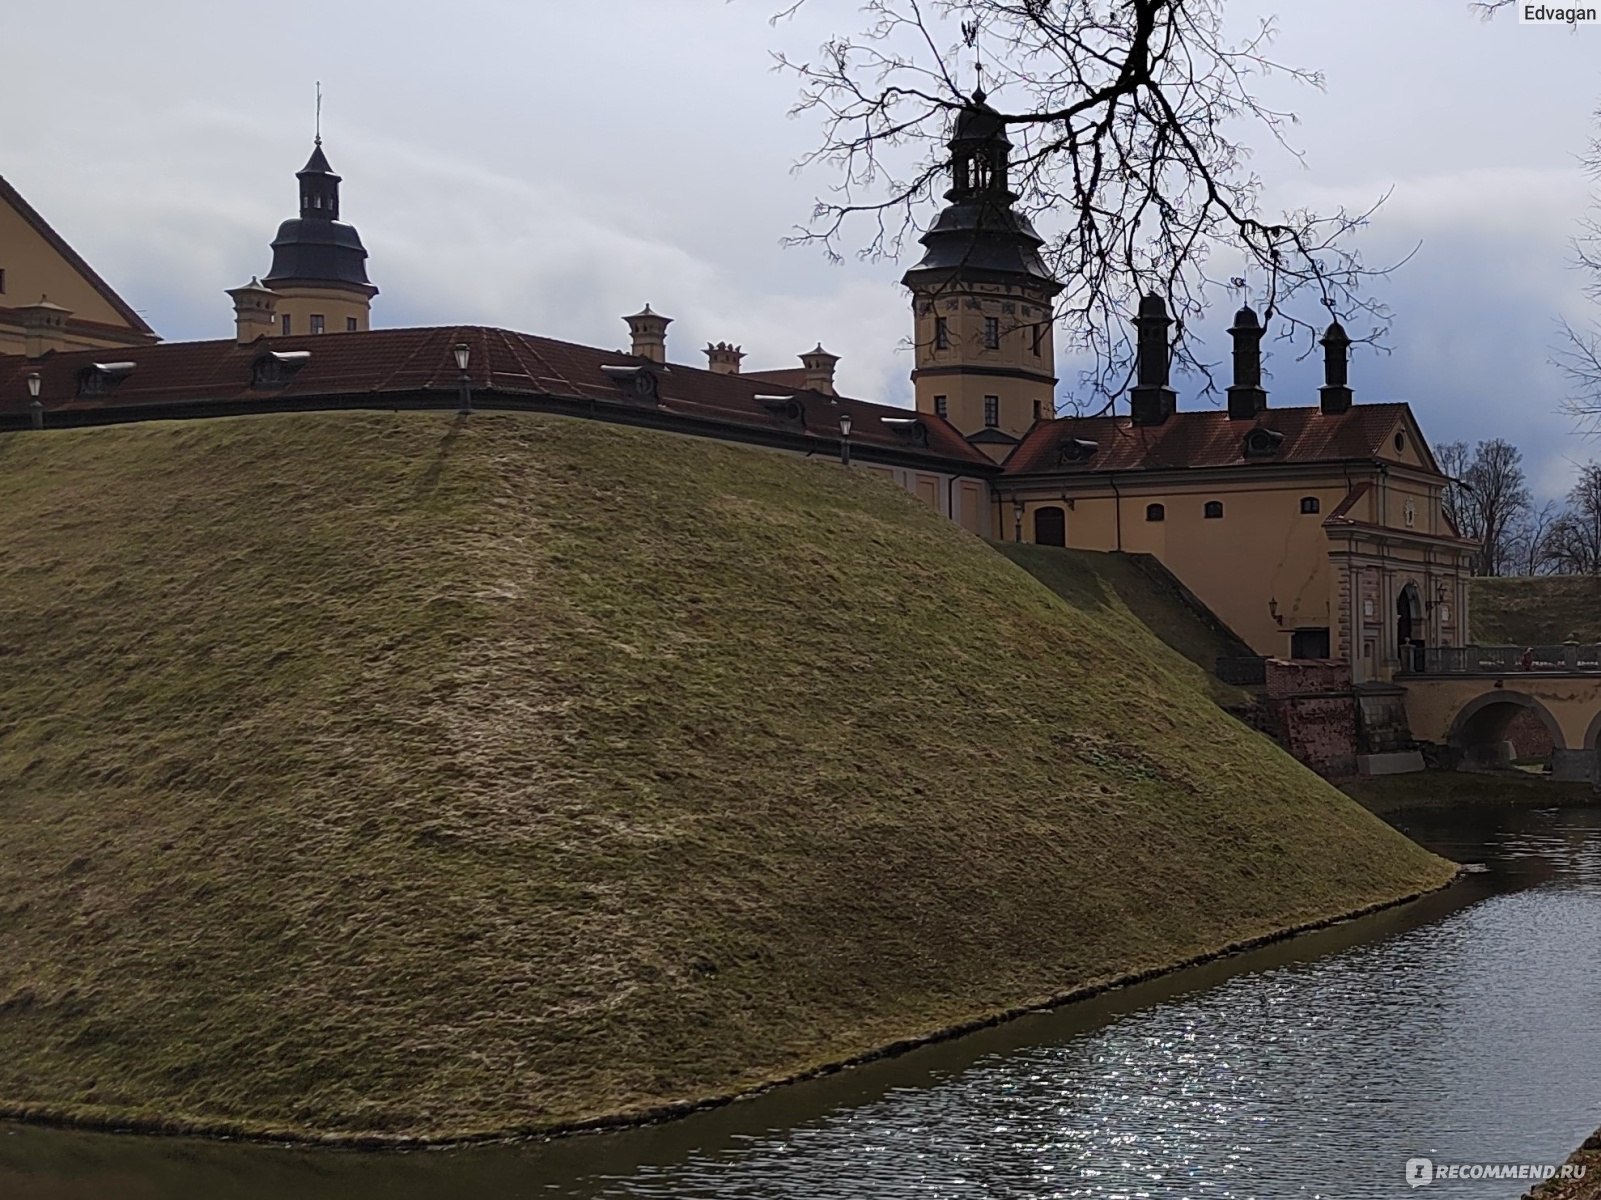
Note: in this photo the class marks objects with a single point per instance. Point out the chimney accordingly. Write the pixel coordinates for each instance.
(819, 364)
(44, 327)
(1246, 397)
(1151, 400)
(649, 331)
(254, 311)
(723, 359)
(1334, 397)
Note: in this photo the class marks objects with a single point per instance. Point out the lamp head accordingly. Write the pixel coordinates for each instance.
(34, 383)
(462, 353)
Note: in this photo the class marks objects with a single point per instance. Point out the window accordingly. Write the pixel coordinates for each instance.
(1039, 410)
(1155, 512)
(992, 411)
(941, 407)
(2, 281)
(351, 324)
(1309, 504)
(1050, 526)
(1213, 510)
(1400, 442)
(1309, 643)
(284, 323)
(1039, 338)
(992, 333)
(942, 334)
(316, 323)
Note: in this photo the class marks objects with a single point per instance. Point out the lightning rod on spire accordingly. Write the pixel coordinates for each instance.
(319, 112)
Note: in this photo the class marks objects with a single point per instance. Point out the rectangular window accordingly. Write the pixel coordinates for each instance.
(316, 323)
(941, 406)
(284, 322)
(992, 411)
(942, 334)
(2, 281)
(1039, 338)
(1309, 643)
(992, 333)
(351, 325)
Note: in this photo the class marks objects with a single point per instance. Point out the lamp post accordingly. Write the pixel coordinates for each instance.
(1017, 520)
(34, 404)
(464, 381)
(844, 439)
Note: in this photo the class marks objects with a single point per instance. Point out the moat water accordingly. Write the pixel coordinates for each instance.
(1465, 1028)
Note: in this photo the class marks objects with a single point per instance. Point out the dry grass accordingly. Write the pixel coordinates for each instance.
(368, 772)
(1534, 612)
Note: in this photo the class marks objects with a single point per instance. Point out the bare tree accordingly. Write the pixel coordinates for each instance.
(1576, 540)
(1485, 498)
(1127, 118)
(1529, 550)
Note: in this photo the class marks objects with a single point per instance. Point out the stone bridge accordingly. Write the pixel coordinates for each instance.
(1476, 702)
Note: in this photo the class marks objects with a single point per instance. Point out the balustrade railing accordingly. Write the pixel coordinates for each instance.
(1569, 658)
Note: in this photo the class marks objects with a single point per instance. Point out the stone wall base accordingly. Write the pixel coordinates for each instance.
(1391, 762)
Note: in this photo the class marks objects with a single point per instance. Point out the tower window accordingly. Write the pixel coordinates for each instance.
(283, 322)
(1039, 338)
(317, 323)
(1155, 512)
(941, 406)
(1309, 504)
(942, 334)
(1039, 410)
(992, 333)
(351, 325)
(992, 411)
(1213, 510)
(2, 281)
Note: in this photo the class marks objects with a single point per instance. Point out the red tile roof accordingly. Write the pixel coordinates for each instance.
(26, 211)
(372, 366)
(1208, 439)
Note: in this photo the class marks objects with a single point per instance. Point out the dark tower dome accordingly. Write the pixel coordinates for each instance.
(979, 231)
(317, 247)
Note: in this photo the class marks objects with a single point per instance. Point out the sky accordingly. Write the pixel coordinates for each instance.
(549, 166)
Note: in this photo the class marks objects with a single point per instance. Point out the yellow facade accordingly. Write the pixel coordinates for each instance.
(303, 309)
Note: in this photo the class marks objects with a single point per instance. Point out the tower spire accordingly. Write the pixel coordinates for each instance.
(318, 140)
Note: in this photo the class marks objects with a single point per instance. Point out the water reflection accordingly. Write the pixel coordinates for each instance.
(1466, 1028)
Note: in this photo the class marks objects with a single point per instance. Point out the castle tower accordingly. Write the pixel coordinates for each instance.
(981, 298)
(319, 266)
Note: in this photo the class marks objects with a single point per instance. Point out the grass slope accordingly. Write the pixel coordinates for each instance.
(370, 772)
(1536, 611)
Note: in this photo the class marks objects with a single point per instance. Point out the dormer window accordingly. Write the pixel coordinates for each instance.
(638, 381)
(1262, 443)
(99, 378)
(277, 367)
(785, 408)
(909, 428)
(1076, 451)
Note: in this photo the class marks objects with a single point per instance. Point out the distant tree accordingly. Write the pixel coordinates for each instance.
(1576, 539)
(1131, 122)
(1529, 541)
(1486, 496)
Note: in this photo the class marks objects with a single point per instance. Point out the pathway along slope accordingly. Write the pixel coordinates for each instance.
(392, 775)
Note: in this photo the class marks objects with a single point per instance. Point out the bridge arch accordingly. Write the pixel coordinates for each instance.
(1480, 732)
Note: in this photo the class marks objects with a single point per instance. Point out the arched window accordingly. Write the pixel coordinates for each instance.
(1213, 510)
(1309, 504)
(1050, 526)
(1155, 512)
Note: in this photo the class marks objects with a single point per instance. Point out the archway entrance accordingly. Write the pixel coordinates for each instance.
(1502, 730)
(1409, 628)
(1050, 526)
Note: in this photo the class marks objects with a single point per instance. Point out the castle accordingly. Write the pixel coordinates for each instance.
(1315, 531)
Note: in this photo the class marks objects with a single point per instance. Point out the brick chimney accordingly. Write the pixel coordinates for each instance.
(649, 332)
(44, 327)
(1151, 400)
(1334, 397)
(819, 364)
(1246, 397)
(255, 308)
(723, 359)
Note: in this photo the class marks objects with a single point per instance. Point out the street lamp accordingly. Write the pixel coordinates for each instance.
(1017, 520)
(464, 381)
(34, 383)
(844, 439)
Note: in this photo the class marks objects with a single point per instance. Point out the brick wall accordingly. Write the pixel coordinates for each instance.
(1529, 736)
(1316, 709)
